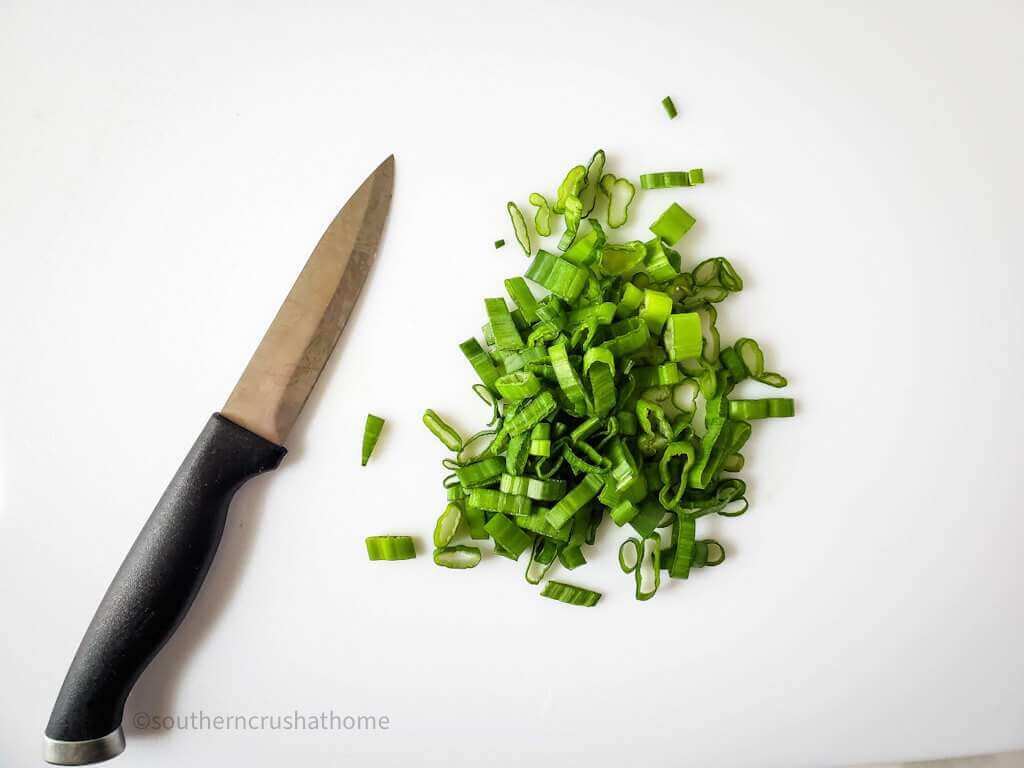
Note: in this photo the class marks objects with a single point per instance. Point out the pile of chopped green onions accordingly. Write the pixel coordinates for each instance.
(610, 397)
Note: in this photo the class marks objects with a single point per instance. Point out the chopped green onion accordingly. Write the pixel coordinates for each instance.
(669, 179)
(523, 298)
(595, 169)
(490, 500)
(390, 547)
(518, 386)
(508, 535)
(371, 433)
(673, 224)
(620, 193)
(595, 393)
(480, 473)
(446, 434)
(459, 557)
(519, 226)
(670, 107)
(532, 487)
(567, 593)
(561, 277)
(656, 308)
(683, 337)
(499, 244)
(447, 525)
(481, 361)
(770, 407)
(574, 500)
(542, 557)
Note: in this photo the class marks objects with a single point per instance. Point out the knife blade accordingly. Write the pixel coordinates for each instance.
(165, 568)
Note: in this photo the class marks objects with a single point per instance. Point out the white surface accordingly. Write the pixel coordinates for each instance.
(163, 175)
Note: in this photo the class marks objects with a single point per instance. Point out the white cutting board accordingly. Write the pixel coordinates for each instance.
(163, 176)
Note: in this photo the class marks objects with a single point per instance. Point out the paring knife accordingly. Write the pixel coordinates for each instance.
(165, 568)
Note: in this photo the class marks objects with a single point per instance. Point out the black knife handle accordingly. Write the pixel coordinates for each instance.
(152, 591)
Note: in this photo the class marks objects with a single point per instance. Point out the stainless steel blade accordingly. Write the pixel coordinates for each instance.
(286, 365)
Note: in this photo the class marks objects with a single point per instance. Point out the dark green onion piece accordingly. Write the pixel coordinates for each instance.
(670, 107)
(481, 361)
(517, 386)
(390, 547)
(574, 500)
(542, 557)
(458, 557)
(506, 335)
(498, 244)
(523, 298)
(371, 433)
(508, 536)
(567, 593)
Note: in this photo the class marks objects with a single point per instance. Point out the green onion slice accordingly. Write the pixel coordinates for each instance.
(567, 593)
(451, 439)
(519, 226)
(390, 547)
(459, 557)
(673, 224)
(371, 433)
(620, 193)
(542, 219)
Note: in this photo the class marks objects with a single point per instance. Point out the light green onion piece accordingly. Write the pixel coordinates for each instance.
(371, 433)
(771, 407)
(656, 308)
(620, 193)
(673, 224)
(683, 336)
(447, 525)
(595, 169)
(519, 226)
(490, 500)
(446, 434)
(668, 179)
(542, 219)
(458, 558)
(390, 547)
(567, 593)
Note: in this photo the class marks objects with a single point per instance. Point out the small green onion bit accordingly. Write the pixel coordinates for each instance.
(567, 593)
(371, 433)
(446, 434)
(390, 547)
(499, 244)
(670, 107)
